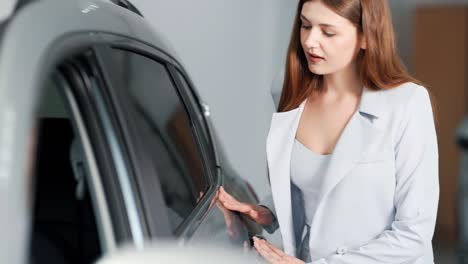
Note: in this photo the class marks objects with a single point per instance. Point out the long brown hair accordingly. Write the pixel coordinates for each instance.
(379, 66)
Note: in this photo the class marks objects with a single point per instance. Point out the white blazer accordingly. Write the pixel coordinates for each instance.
(378, 201)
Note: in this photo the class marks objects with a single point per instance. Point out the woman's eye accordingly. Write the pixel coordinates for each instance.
(328, 34)
(305, 26)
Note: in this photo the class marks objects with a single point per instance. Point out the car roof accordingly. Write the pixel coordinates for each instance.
(119, 14)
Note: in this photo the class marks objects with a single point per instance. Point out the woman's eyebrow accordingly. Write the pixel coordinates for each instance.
(325, 25)
(304, 18)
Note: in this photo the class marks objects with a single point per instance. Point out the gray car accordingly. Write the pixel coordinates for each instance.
(104, 141)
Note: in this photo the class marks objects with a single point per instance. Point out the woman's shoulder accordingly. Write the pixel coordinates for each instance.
(404, 95)
(405, 90)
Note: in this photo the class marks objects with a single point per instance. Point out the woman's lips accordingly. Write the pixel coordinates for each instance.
(314, 58)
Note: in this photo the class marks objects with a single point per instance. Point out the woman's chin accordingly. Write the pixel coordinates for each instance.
(315, 71)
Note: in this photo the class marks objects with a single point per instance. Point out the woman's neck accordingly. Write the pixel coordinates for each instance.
(343, 83)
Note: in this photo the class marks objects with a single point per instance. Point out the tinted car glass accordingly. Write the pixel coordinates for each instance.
(159, 117)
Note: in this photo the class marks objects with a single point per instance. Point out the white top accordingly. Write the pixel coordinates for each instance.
(307, 171)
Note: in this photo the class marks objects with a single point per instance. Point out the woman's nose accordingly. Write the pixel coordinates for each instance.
(312, 40)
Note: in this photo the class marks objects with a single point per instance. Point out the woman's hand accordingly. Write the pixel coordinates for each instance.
(273, 254)
(258, 214)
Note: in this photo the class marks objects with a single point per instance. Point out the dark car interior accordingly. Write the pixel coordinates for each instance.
(64, 228)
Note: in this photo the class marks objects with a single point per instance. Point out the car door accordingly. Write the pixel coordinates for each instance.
(85, 47)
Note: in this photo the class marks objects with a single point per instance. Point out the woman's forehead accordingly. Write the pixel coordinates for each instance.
(318, 13)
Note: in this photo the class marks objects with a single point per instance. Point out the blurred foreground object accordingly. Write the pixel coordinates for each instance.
(171, 252)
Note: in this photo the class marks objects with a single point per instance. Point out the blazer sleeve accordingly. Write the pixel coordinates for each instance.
(268, 204)
(416, 192)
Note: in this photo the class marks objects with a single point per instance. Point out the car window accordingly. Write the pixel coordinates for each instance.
(157, 116)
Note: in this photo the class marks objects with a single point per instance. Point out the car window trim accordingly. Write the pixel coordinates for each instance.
(129, 192)
(201, 129)
(80, 87)
(94, 183)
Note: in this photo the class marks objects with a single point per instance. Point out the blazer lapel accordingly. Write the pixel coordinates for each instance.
(355, 141)
(352, 144)
(279, 146)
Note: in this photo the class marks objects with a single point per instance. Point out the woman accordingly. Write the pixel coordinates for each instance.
(352, 152)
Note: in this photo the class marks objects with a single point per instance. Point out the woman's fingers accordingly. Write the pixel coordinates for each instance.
(224, 196)
(266, 251)
(273, 254)
(275, 249)
(230, 202)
